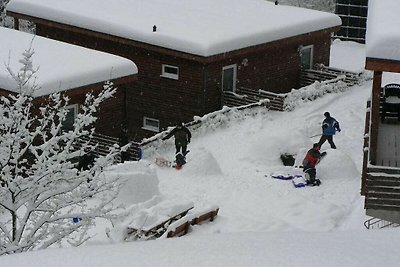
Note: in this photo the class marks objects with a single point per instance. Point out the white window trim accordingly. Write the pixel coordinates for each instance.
(234, 67)
(150, 127)
(312, 53)
(167, 74)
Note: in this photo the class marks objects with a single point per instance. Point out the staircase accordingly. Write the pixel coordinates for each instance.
(101, 142)
(376, 223)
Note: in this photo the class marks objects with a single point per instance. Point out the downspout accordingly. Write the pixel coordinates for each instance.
(205, 70)
(124, 138)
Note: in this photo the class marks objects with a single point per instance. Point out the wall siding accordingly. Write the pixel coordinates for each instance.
(272, 67)
(110, 115)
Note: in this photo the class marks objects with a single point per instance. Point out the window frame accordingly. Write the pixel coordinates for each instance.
(303, 48)
(148, 127)
(234, 67)
(165, 74)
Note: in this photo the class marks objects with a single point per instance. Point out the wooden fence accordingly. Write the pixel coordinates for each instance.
(323, 73)
(101, 142)
(245, 96)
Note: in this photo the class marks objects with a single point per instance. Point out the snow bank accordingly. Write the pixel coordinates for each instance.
(206, 164)
(343, 167)
(137, 186)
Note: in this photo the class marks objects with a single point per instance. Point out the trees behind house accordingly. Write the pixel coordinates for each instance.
(323, 5)
(44, 198)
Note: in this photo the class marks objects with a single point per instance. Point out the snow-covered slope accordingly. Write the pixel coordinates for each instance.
(262, 221)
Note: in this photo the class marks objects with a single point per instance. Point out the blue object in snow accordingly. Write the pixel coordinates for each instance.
(76, 219)
(140, 153)
(285, 176)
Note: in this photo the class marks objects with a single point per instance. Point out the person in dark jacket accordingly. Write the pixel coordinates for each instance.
(182, 138)
(311, 159)
(86, 161)
(329, 127)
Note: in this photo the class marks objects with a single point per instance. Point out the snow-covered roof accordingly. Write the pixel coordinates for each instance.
(383, 36)
(61, 66)
(205, 28)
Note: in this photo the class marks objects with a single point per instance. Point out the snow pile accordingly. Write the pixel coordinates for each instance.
(206, 163)
(138, 186)
(313, 91)
(343, 167)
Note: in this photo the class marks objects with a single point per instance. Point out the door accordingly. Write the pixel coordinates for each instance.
(229, 78)
(307, 54)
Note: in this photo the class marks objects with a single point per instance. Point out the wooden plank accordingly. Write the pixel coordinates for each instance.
(207, 216)
(383, 189)
(389, 178)
(388, 149)
(380, 169)
(159, 229)
(381, 207)
(383, 195)
(383, 201)
(382, 183)
(181, 230)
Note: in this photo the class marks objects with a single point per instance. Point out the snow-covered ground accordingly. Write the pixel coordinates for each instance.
(262, 221)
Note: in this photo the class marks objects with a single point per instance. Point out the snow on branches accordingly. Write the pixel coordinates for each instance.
(42, 189)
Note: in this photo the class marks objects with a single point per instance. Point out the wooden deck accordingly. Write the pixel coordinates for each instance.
(388, 148)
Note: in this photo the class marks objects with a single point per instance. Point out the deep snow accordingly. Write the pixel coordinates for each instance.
(262, 221)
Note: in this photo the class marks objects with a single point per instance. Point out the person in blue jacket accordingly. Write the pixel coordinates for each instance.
(329, 127)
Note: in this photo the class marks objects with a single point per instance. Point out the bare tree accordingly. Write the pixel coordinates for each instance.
(44, 198)
(3, 4)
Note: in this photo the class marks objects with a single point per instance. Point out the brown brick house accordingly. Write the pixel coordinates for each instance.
(188, 59)
(72, 70)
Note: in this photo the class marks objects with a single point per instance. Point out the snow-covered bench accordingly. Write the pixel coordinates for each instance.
(156, 222)
(182, 226)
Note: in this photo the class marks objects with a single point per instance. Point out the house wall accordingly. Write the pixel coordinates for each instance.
(272, 67)
(164, 99)
(110, 115)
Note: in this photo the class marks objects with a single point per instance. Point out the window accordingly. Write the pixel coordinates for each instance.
(68, 123)
(151, 124)
(169, 71)
(229, 78)
(306, 56)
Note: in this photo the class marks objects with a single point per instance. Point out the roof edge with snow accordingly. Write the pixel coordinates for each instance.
(199, 30)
